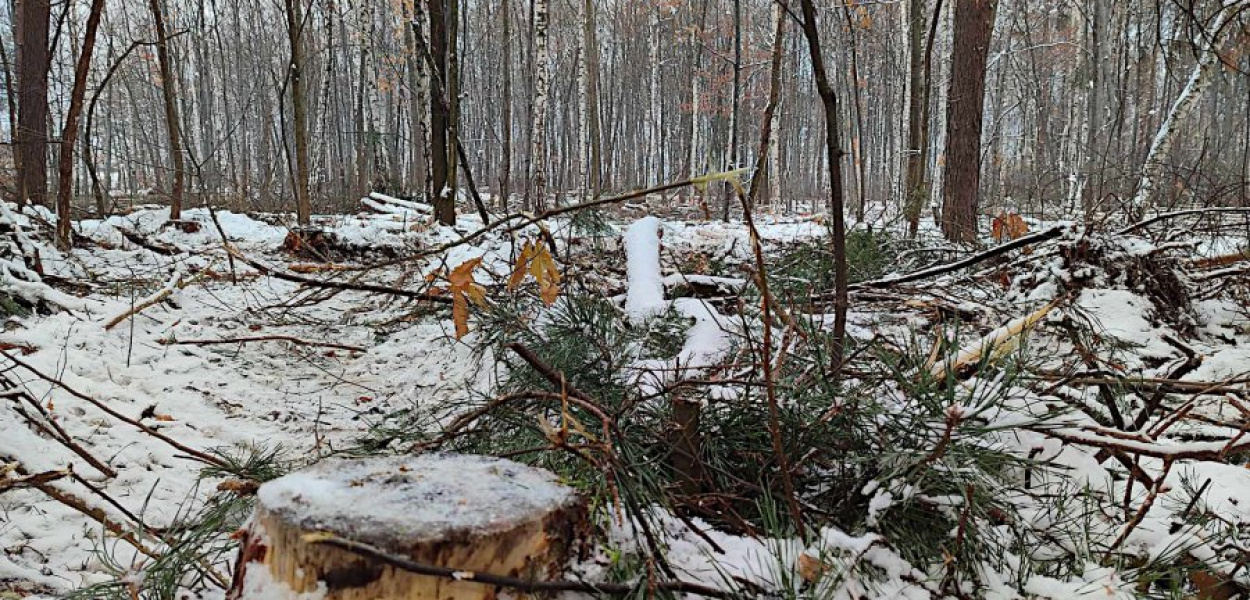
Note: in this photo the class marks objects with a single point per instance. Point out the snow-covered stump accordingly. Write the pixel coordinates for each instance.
(468, 513)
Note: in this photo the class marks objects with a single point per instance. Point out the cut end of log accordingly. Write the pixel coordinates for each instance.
(468, 513)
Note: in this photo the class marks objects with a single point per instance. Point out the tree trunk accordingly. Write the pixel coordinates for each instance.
(833, 156)
(594, 156)
(440, 156)
(171, 111)
(920, 51)
(473, 514)
(294, 29)
(69, 134)
(974, 23)
(734, 115)
(505, 169)
(34, 59)
(1199, 81)
(419, 98)
(542, 81)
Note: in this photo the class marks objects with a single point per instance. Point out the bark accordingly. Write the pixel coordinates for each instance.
(833, 155)
(974, 23)
(172, 126)
(591, 41)
(917, 111)
(33, 62)
(1195, 87)
(505, 169)
(419, 98)
(440, 117)
(69, 134)
(299, 109)
(734, 115)
(286, 536)
(542, 82)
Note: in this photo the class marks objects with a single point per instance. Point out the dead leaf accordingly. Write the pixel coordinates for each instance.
(463, 291)
(536, 260)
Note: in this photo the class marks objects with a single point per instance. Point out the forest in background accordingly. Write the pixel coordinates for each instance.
(633, 94)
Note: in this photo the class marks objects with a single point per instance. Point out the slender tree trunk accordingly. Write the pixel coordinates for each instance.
(919, 69)
(419, 98)
(1195, 87)
(294, 29)
(451, 87)
(542, 82)
(734, 115)
(834, 155)
(591, 41)
(857, 150)
(69, 134)
(505, 169)
(171, 111)
(10, 92)
(34, 60)
(444, 199)
(974, 23)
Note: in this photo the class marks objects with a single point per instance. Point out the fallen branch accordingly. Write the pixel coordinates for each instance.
(177, 282)
(1181, 213)
(201, 456)
(33, 480)
(137, 239)
(992, 344)
(263, 338)
(1041, 236)
(334, 285)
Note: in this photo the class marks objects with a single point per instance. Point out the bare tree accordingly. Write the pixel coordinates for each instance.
(834, 155)
(69, 133)
(34, 60)
(299, 110)
(542, 81)
(974, 23)
(172, 126)
(1195, 87)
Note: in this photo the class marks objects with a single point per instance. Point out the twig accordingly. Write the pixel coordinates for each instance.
(331, 284)
(1145, 508)
(263, 338)
(176, 283)
(205, 458)
(1181, 213)
(35, 480)
(515, 583)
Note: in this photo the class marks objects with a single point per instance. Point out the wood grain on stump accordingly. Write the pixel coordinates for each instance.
(470, 513)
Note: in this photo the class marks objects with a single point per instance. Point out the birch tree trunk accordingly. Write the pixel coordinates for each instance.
(542, 83)
(1195, 87)
(418, 119)
(505, 169)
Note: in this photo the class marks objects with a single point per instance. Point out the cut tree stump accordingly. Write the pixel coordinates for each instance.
(469, 513)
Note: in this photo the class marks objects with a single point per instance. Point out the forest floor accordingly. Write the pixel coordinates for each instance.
(231, 362)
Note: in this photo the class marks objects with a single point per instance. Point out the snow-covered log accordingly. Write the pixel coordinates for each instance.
(474, 514)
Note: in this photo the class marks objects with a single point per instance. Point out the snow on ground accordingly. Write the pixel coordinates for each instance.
(312, 399)
(305, 399)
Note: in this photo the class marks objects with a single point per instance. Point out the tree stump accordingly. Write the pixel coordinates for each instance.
(311, 243)
(469, 513)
